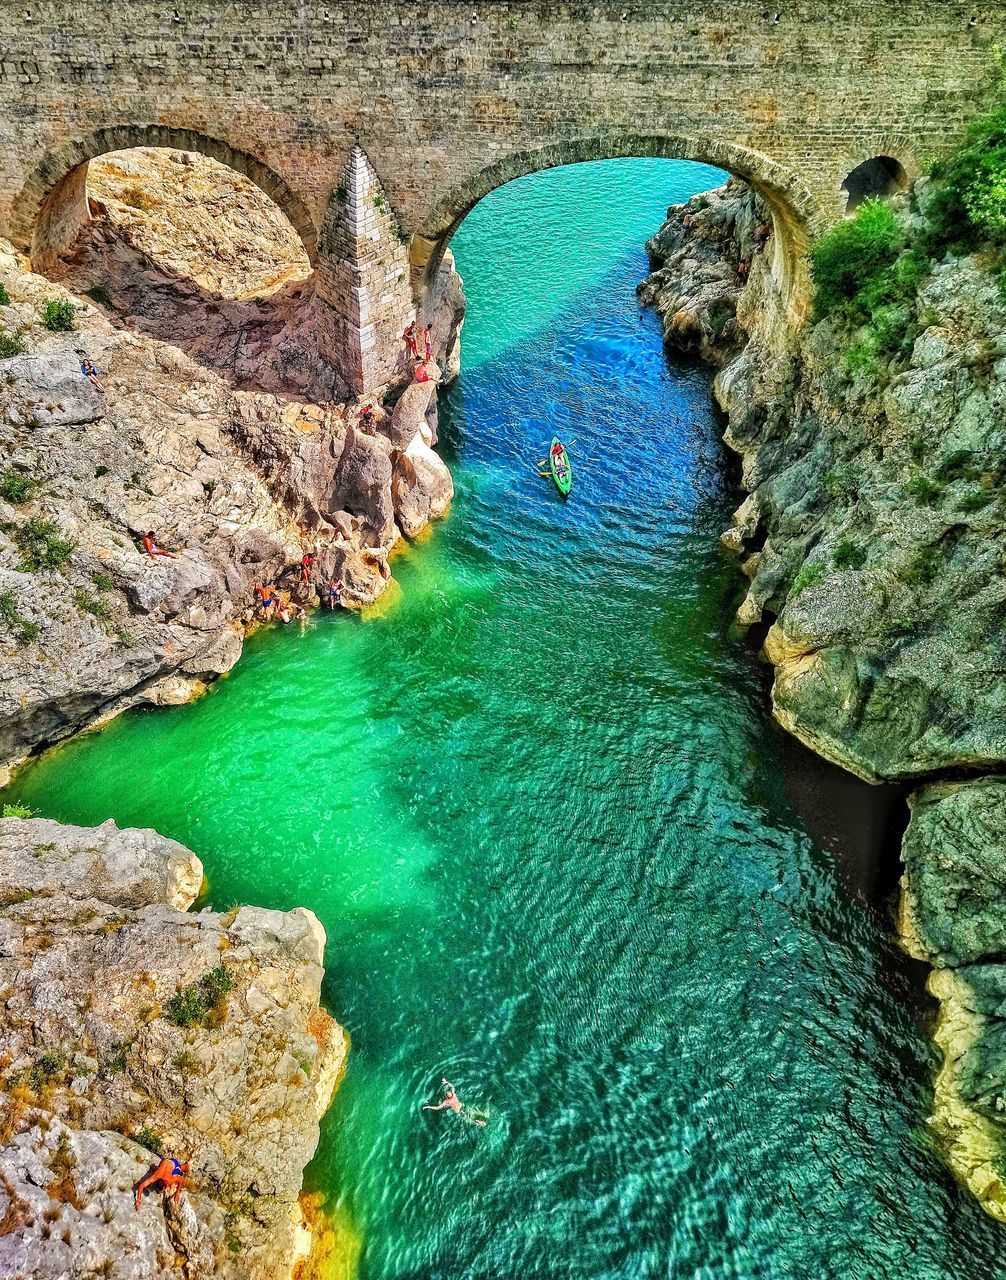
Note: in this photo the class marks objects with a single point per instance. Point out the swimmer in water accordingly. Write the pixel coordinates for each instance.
(452, 1102)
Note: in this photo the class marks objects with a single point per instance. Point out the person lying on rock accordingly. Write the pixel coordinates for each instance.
(410, 336)
(152, 549)
(453, 1103)
(170, 1172)
(334, 592)
(89, 371)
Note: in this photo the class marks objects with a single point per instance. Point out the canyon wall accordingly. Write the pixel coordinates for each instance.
(874, 539)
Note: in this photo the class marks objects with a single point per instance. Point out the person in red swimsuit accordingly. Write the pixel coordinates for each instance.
(170, 1172)
(153, 550)
(305, 567)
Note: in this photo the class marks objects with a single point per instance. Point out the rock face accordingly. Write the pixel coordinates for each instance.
(953, 916)
(700, 262)
(131, 1025)
(237, 475)
(874, 538)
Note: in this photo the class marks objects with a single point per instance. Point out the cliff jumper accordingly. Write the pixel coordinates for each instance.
(171, 1173)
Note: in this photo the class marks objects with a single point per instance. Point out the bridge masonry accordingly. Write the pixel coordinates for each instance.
(448, 100)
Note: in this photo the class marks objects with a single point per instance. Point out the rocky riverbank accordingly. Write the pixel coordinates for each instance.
(874, 538)
(214, 426)
(133, 1027)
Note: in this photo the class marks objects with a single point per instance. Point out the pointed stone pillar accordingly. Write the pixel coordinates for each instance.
(364, 295)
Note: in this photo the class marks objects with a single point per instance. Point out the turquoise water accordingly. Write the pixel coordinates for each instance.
(537, 804)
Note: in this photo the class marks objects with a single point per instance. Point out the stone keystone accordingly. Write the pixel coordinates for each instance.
(364, 296)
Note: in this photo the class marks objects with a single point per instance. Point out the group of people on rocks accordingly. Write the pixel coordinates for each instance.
(411, 339)
(286, 611)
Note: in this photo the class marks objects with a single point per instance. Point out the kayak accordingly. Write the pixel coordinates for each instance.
(560, 467)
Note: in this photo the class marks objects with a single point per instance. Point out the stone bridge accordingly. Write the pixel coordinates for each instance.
(376, 126)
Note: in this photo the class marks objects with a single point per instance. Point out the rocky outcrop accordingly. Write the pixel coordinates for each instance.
(236, 480)
(133, 1026)
(953, 916)
(874, 538)
(700, 261)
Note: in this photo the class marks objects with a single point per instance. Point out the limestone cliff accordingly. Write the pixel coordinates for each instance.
(874, 538)
(132, 1026)
(216, 426)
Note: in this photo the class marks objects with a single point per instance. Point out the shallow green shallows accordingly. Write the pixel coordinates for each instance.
(537, 804)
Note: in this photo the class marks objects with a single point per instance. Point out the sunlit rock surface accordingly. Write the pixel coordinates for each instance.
(131, 1024)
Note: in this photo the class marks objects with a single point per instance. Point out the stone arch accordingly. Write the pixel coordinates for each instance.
(796, 214)
(52, 205)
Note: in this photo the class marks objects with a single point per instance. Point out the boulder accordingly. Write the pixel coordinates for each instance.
(421, 487)
(130, 868)
(47, 389)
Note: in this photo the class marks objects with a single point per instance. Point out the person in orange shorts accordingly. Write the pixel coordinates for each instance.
(170, 1172)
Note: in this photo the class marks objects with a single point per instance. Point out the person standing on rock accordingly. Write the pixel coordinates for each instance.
(335, 590)
(306, 564)
(170, 1172)
(367, 420)
(410, 335)
(267, 598)
(428, 341)
(153, 550)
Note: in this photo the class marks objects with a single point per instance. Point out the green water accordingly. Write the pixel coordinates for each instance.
(538, 806)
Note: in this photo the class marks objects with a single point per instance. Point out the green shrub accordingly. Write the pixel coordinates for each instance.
(976, 500)
(968, 206)
(809, 576)
(99, 293)
(207, 996)
(853, 252)
(4, 295)
(14, 487)
(93, 605)
(186, 1006)
(924, 490)
(58, 315)
(151, 1139)
(103, 582)
(923, 566)
(99, 472)
(10, 346)
(16, 811)
(842, 482)
(849, 555)
(42, 545)
(24, 632)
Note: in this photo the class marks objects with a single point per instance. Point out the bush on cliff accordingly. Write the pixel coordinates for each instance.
(968, 205)
(58, 315)
(853, 253)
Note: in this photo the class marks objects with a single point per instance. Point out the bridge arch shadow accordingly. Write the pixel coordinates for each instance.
(52, 207)
(795, 212)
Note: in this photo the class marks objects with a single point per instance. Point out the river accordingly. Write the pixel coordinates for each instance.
(537, 802)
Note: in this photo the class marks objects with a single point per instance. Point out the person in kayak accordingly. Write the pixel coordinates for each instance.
(453, 1103)
(170, 1172)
